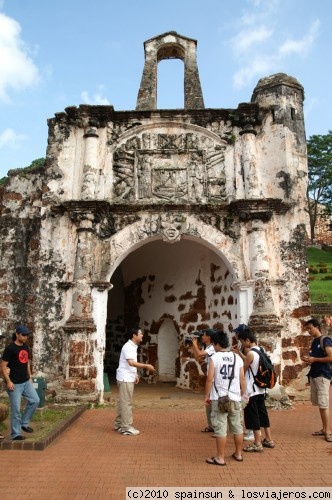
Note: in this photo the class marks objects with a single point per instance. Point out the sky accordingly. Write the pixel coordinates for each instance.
(60, 53)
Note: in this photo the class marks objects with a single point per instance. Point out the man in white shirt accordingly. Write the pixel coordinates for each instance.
(126, 376)
(205, 354)
(225, 378)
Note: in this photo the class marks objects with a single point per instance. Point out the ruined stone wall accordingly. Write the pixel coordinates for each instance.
(19, 250)
(119, 192)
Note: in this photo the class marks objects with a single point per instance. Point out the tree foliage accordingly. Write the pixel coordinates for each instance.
(319, 193)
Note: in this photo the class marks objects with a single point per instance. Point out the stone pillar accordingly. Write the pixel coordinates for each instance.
(193, 96)
(252, 181)
(244, 300)
(100, 296)
(81, 370)
(90, 166)
(263, 318)
(147, 94)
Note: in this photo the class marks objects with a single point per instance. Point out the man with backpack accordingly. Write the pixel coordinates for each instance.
(319, 359)
(255, 413)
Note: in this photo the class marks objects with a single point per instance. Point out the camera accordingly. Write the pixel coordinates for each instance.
(188, 339)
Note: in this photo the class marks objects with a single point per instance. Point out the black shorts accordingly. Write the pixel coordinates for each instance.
(255, 413)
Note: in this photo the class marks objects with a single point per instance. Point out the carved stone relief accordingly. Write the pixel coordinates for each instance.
(173, 168)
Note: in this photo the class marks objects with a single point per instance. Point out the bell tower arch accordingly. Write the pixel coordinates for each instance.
(170, 45)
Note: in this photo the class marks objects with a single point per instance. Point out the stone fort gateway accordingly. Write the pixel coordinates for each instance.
(172, 219)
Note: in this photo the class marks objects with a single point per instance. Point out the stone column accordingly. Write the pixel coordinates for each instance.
(81, 370)
(193, 96)
(90, 166)
(252, 181)
(263, 318)
(244, 300)
(99, 295)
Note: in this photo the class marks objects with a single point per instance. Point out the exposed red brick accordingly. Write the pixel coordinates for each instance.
(290, 355)
(301, 312)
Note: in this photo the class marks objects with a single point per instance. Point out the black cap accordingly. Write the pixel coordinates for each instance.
(241, 328)
(209, 332)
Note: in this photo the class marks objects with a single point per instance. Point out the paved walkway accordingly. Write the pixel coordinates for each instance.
(91, 461)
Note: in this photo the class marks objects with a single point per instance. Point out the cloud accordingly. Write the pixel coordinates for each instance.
(97, 97)
(259, 66)
(18, 70)
(10, 138)
(260, 46)
(247, 38)
(302, 46)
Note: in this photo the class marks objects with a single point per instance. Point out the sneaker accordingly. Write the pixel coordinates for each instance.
(130, 432)
(18, 438)
(118, 429)
(254, 447)
(249, 436)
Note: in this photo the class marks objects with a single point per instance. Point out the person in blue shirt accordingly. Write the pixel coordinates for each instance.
(319, 374)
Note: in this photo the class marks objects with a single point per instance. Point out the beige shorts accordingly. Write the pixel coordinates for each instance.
(320, 389)
(220, 421)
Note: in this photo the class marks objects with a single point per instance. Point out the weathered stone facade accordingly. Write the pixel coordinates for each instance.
(172, 219)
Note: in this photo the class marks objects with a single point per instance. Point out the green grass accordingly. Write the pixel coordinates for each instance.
(44, 421)
(320, 288)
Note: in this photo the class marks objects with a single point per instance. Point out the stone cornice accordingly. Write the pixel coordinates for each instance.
(262, 209)
(245, 209)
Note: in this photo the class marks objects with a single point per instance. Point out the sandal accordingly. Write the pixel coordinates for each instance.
(268, 444)
(254, 447)
(319, 433)
(213, 461)
(207, 429)
(328, 437)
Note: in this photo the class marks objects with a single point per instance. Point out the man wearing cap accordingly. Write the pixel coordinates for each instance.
(18, 382)
(200, 354)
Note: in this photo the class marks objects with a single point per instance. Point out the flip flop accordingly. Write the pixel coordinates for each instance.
(236, 458)
(213, 461)
(328, 438)
(319, 433)
(207, 429)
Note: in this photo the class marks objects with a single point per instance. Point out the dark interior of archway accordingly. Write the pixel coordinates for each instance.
(184, 281)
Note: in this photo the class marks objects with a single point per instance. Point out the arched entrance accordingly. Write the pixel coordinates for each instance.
(169, 290)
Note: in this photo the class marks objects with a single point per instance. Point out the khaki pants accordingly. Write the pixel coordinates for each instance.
(124, 407)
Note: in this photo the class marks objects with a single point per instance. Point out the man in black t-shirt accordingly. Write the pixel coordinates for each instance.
(18, 383)
(319, 358)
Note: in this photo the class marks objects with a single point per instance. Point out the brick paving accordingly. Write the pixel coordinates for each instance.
(91, 461)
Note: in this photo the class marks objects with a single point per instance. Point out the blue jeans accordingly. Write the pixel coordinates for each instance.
(17, 420)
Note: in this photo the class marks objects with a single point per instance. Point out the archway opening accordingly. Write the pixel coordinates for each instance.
(170, 86)
(169, 290)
